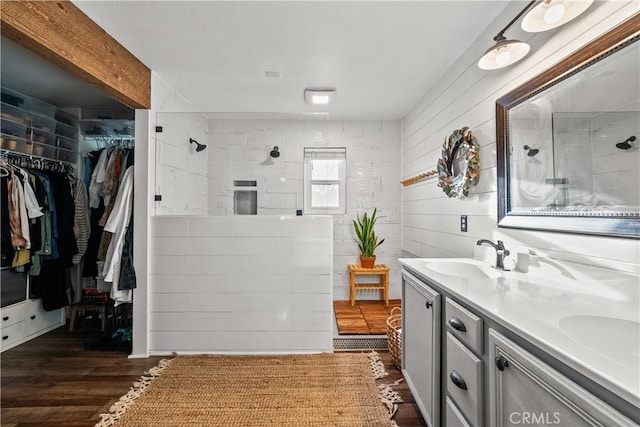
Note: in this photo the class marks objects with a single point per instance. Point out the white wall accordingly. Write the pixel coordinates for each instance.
(465, 96)
(239, 150)
(181, 172)
(240, 284)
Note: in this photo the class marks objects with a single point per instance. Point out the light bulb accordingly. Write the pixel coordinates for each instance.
(554, 14)
(503, 57)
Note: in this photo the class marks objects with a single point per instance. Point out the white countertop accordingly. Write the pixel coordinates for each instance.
(586, 317)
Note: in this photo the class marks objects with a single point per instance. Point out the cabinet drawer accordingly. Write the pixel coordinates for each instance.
(521, 385)
(466, 326)
(464, 380)
(12, 314)
(12, 334)
(454, 416)
(38, 319)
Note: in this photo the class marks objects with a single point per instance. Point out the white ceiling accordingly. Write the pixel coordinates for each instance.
(381, 56)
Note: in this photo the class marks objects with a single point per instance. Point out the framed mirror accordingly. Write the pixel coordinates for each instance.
(568, 142)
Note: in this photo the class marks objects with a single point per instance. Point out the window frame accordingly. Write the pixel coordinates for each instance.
(309, 183)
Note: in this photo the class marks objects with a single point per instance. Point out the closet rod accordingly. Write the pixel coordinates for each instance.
(37, 162)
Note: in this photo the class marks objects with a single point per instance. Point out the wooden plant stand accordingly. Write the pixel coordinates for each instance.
(381, 270)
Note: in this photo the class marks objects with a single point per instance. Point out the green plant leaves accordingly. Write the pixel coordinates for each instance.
(366, 237)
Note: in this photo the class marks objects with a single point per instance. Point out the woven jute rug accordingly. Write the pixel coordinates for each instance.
(318, 390)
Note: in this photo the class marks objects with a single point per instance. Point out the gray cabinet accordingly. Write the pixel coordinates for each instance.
(421, 328)
(464, 380)
(525, 391)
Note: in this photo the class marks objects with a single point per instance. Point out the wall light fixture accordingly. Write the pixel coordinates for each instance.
(541, 15)
(505, 52)
(550, 14)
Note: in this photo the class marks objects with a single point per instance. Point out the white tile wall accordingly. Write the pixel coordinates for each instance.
(240, 149)
(465, 96)
(240, 284)
(181, 172)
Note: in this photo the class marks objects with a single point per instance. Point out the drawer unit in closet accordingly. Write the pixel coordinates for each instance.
(12, 314)
(466, 326)
(12, 334)
(464, 380)
(38, 320)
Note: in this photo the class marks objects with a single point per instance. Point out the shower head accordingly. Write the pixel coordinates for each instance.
(199, 147)
(624, 145)
(532, 151)
(275, 153)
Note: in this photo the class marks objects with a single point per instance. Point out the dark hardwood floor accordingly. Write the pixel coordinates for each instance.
(51, 381)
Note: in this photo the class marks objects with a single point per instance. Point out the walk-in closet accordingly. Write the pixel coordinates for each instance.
(66, 164)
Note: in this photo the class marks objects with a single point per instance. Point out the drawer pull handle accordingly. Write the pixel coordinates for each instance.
(501, 363)
(428, 304)
(458, 380)
(33, 317)
(457, 324)
(5, 318)
(5, 337)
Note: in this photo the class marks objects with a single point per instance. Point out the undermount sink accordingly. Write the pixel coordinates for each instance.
(463, 268)
(617, 339)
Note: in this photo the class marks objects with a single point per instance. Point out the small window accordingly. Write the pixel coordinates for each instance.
(325, 171)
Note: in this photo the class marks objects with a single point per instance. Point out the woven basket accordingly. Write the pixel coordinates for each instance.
(394, 336)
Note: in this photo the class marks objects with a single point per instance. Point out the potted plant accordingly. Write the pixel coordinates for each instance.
(367, 240)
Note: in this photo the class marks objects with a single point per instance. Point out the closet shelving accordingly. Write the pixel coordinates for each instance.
(33, 135)
(33, 127)
(107, 129)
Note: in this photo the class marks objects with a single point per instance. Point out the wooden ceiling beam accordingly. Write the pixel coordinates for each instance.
(61, 33)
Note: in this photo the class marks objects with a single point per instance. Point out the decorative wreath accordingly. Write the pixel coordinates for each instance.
(460, 143)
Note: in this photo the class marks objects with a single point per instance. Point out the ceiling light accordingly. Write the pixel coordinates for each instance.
(319, 96)
(550, 14)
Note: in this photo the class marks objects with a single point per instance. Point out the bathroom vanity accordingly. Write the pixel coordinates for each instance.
(558, 345)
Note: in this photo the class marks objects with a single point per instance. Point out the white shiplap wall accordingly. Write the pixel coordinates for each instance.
(239, 148)
(465, 96)
(240, 284)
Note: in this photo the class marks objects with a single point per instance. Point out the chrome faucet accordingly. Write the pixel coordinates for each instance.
(501, 252)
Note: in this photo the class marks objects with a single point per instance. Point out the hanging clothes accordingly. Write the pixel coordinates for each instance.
(97, 179)
(18, 221)
(82, 220)
(96, 210)
(65, 210)
(17, 239)
(127, 272)
(35, 226)
(45, 225)
(52, 284)
(7, 250)
(117, 224)
(110, 190)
